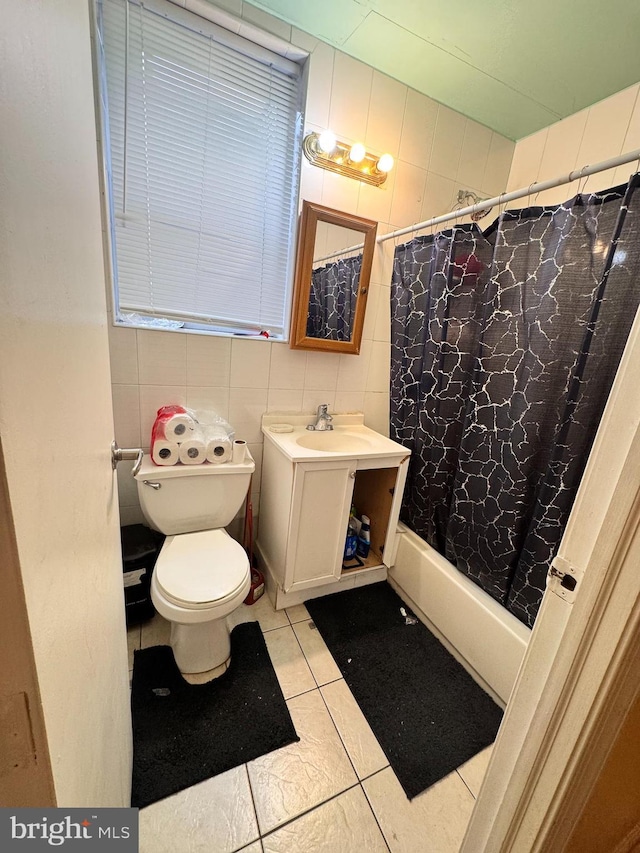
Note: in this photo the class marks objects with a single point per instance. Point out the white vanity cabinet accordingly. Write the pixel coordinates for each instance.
(304, 512)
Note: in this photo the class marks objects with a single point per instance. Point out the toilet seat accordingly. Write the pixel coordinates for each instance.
(202, 570)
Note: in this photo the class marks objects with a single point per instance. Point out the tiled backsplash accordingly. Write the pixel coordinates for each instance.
(437, 152)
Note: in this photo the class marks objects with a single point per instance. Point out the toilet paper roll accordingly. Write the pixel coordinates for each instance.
(219, 450)
(239, 451)
(165, 452)
(193, 451)
(178, 427)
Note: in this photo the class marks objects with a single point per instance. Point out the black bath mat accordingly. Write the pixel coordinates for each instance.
(427, 712)
(194, 732)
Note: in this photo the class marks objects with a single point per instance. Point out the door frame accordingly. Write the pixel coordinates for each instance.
(26, 778)
(579, 674)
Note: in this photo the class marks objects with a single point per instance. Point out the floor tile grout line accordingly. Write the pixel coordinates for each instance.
(304, 618)
(371, 806)
(316, 687)
(306, 660)
(303, 693)
(328, 651)
(373, 812)
(457, 770)
(369, 775)
(319, 688)
(333, 681)
(275, 628)
(344, 746)
(375, 772)
(309, 810)
(253, 802)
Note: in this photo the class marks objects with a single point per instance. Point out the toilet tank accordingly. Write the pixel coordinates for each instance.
(185, 498)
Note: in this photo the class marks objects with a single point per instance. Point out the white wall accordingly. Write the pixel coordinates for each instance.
(55, 410)
(606, 129)
(437, 151)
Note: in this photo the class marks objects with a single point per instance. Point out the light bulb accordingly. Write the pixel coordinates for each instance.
(385, 163)
(356, 155)
(327, 141)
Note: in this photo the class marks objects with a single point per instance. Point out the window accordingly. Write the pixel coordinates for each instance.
(203, 138)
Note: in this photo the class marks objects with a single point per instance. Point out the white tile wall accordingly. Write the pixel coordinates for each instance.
(437, 151)
(250, 362)
(208, 360)
(322, 371)
(474, 155)
(447, 143)
(386, 113)
(606, 129)
(563, 142)
(408, 193)
(418, 128)
(284, 401)
(206, 398)
(162, 358)
(350, 97)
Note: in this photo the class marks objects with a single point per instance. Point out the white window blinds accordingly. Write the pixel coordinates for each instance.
(203, 160)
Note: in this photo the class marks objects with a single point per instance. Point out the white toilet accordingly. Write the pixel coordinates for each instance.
(201, 574)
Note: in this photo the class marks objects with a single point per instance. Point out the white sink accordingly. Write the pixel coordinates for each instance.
(349, 439)
(337, 440)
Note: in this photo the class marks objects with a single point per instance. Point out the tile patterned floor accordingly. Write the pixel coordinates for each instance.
(333, 791)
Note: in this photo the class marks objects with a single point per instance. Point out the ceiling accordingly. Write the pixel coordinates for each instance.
(513, 65)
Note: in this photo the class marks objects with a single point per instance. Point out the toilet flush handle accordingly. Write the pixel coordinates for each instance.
(119, 454)
(155, 486)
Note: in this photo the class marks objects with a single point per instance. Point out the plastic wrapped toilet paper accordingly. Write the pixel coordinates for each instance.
(176, 427)
(191, 438)
(193, 451)
(219, 442)
(165, 452)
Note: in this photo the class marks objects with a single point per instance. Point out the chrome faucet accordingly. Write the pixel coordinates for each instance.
(323, 419)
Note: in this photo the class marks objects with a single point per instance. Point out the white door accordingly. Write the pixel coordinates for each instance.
(55, 402)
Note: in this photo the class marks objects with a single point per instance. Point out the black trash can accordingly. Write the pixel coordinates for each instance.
(140, 549)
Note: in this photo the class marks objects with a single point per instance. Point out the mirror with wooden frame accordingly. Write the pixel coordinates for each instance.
(333, 268)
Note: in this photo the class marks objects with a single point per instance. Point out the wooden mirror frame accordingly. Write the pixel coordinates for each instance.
(312, 214)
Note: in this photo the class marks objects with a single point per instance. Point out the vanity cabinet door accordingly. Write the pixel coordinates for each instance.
(322, 494)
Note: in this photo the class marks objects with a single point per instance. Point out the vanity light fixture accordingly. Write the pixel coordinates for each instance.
(352, 161)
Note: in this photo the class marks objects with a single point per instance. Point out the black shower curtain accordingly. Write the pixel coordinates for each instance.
(504, 349)
(332, 299)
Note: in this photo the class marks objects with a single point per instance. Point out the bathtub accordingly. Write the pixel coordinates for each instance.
(487, 640)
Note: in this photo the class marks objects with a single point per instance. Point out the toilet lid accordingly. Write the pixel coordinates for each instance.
(195, 569)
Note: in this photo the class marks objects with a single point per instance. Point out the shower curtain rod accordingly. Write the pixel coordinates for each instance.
(335, 254)
(532, 189)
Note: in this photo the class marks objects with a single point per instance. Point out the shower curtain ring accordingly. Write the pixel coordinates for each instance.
(581, 175)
